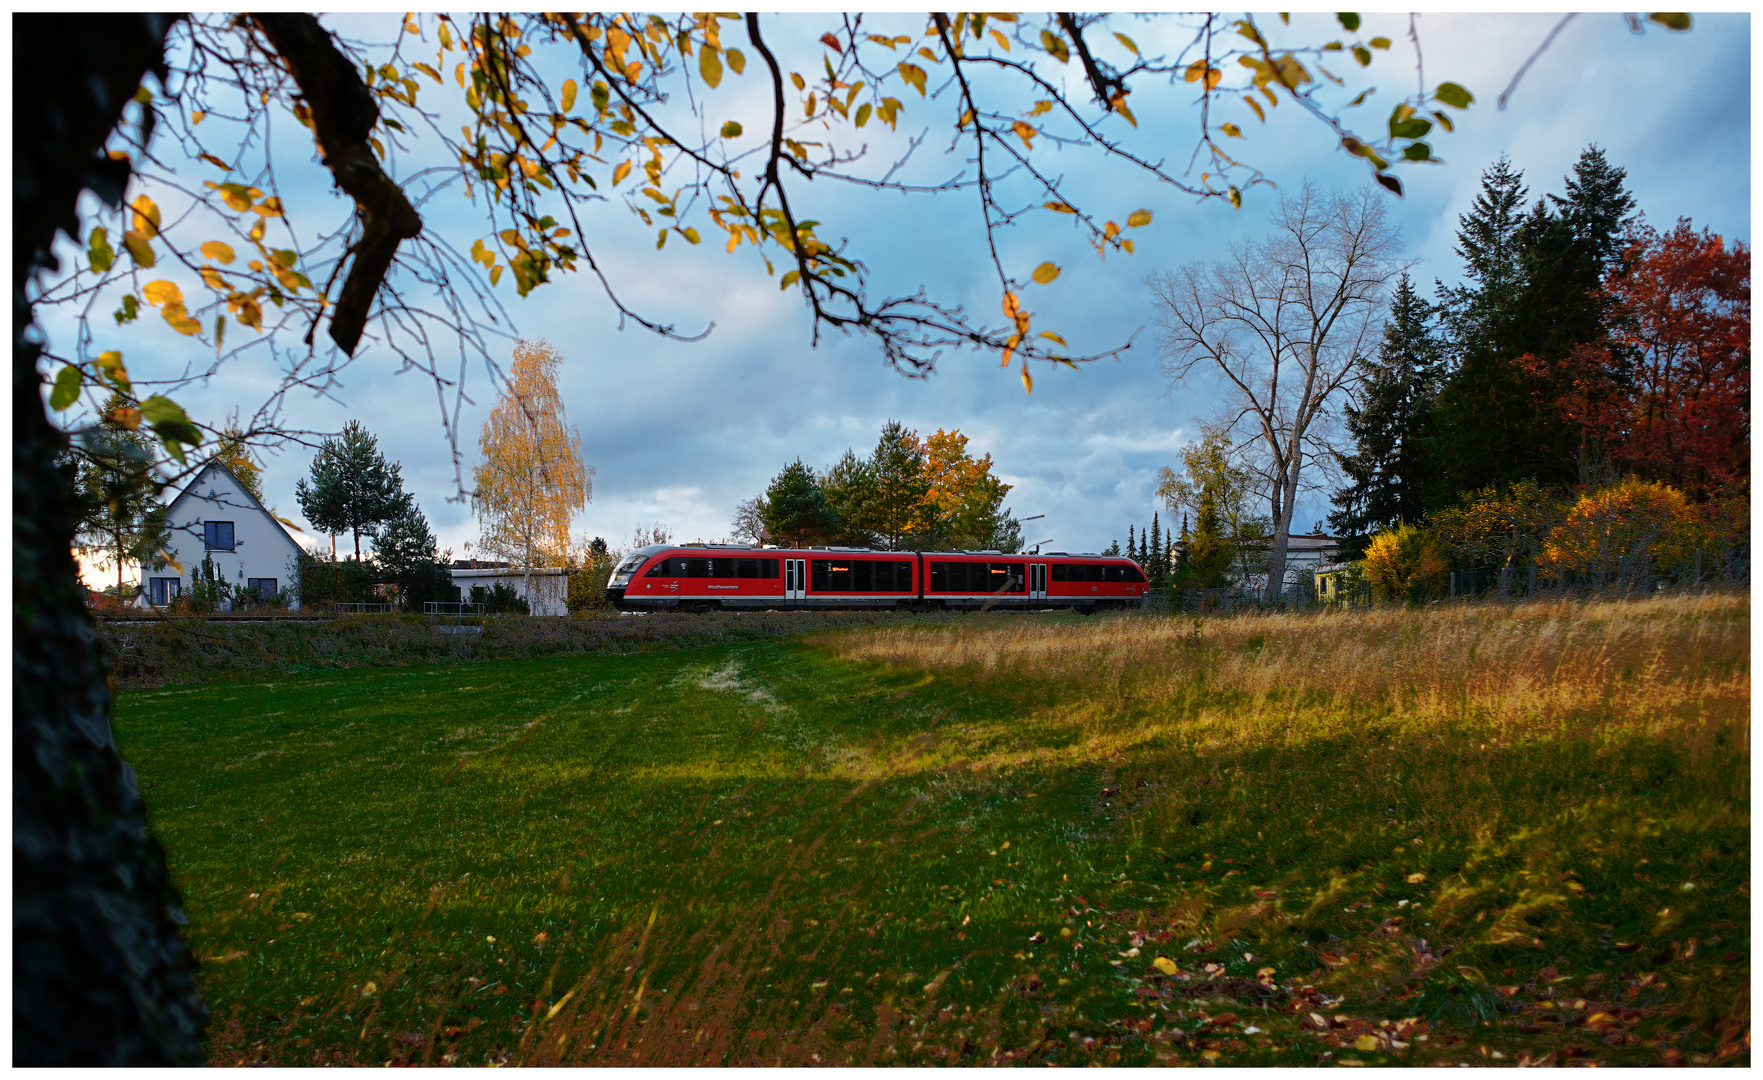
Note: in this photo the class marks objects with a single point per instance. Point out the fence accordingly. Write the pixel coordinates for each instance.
(363, 609)
(451, 607)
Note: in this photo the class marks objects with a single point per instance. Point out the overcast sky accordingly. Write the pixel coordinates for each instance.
(679, 433)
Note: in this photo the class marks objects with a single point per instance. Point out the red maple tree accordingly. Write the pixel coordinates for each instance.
(1668, 395)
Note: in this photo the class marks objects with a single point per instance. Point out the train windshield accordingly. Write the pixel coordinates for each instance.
(630, 565)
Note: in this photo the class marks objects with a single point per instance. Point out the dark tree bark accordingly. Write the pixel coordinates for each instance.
(100, 974)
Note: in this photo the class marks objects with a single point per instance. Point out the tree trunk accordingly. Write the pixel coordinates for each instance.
(1282, 528)
(100, 975)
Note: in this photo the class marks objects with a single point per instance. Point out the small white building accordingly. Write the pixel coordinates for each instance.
(546, 589)
(215, 518)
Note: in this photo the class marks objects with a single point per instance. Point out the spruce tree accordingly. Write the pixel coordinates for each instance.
(1157, 569)
(1530, 298)
(1392, 424)
(1129, 544)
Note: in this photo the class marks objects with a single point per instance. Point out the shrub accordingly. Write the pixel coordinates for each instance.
(499, 599)
(1406, 563)
(1626, 533)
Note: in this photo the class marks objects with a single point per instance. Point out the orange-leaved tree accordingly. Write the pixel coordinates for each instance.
(532, 480)
(1625, 533)
(1406, 563)
(964, 504)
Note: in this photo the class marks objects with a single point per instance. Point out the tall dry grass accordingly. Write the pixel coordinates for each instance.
(1674, 667)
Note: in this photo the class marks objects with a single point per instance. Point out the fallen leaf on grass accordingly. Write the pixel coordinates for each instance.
(1365, 1043)
(1165, 965)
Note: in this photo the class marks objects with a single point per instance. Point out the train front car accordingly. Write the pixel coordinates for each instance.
(700, 578)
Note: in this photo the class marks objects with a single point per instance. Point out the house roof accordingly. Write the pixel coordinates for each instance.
(192, 485)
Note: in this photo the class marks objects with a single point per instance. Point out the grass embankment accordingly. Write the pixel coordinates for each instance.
(177, 650)
(1472, 834)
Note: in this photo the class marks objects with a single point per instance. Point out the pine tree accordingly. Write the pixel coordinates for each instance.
(1130, 550)
(354, 488)
(796, 511)
(1392, 424)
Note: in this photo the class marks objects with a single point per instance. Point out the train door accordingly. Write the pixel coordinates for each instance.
(1037, 581)
(796, 580)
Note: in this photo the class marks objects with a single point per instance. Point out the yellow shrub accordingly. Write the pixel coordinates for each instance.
(1406, 563)
(1622, 529)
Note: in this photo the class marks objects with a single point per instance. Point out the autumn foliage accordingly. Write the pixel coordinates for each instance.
(1406, 563)
(1624, 530)
(1667, 394)
(532, 479)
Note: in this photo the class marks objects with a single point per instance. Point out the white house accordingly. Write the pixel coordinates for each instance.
(546, 589)
(215, 518)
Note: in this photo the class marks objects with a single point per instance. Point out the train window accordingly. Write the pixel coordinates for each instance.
(939, 577)
(863, 576)
(1060, 572)
(755, 568)
(1133, 573)
(903, 576)
(629, 566)
(662, 568)
(1018, 579)
(830, 575)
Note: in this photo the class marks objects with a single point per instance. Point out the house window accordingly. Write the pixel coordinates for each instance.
(162, 590)
(218, 535)
(263, 588)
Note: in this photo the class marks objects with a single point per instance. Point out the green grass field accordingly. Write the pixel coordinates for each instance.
(1491, 835)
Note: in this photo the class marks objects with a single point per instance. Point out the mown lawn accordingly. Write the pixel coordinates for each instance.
(1473, 835)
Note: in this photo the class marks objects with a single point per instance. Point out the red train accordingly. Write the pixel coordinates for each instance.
(707, 577)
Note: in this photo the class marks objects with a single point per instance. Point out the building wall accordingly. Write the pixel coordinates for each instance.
(546, 590)
(261, 547)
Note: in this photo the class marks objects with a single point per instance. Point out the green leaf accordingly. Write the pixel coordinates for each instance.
(1363, 55)
(1380, 43)
(1453, 95)
(1417, 151)
(139, 248)
(788, 280)
(710, 65)
(67, 388)
(1045, 273)
(1128, 42)
(1412, 128)
(129, 309)
(863, 112)
(1671, 20)
(1349, 20)
(737, 60)
(219, 332)
(1055, 46)
(171, 425)
(98, 250)
(731, 130)
(1444, 121)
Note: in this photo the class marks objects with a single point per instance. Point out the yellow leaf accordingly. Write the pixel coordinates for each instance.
(737, 61)
(1366, 1043)
(710, 65)
(1051, 336)
(1010, 349)
(1003, 42)
(146, 216)
(1162, 963)
(218, 251)
(1416, 878)
(1127, 244)
(1045, 273)
(196, 116)
(160, 293)
(110, 366)
(1011, 307)
(1139, 218)
(567, 95)
(1060, 208)
(237, 196)
(622, 170)
(1232, 130)
(180, 320)
(1025, 132)
(1028, 381)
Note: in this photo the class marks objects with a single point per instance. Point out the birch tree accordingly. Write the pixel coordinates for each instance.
(532, 480)
(1280, 323)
